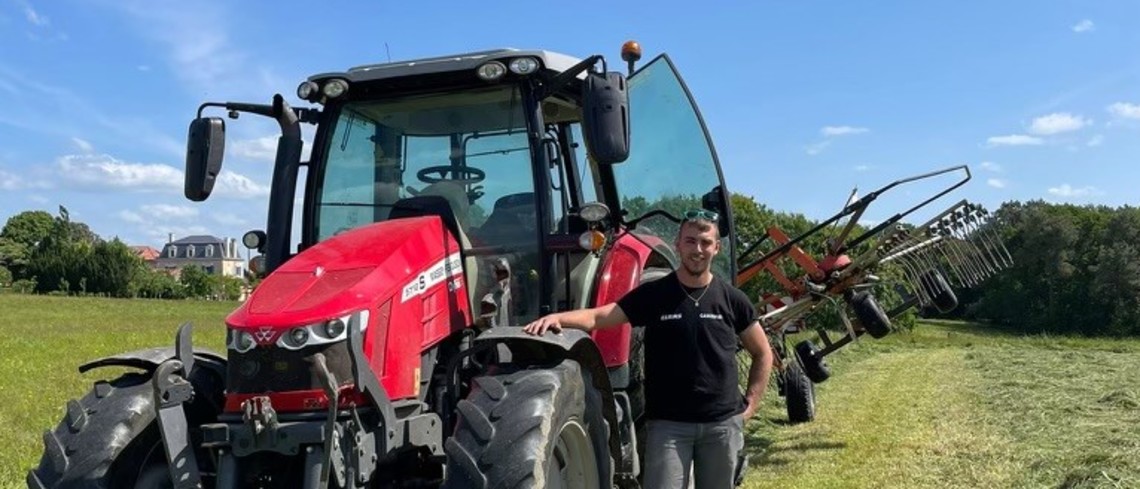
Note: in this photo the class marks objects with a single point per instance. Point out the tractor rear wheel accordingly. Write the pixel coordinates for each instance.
(531, 428)
(799, 393)
(110, 437)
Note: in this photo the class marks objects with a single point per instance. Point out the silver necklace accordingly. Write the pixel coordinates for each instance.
(697, 301)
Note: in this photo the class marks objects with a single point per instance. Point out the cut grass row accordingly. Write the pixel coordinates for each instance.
(957, 405)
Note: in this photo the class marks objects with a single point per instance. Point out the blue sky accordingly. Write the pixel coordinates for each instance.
(804, 100)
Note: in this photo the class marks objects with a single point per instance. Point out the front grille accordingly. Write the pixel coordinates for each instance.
(274, 369)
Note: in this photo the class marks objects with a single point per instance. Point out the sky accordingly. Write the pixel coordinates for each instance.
(805, 101)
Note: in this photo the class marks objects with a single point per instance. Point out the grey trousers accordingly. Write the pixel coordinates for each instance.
(710, 449)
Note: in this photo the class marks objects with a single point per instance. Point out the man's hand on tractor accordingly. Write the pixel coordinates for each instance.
(543, 324)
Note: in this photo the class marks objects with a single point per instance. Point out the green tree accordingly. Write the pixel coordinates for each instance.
(5, 277)
(19, 237)
(197, 282)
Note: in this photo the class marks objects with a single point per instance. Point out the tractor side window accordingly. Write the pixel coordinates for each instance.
(672, 164)
(349, 196)
(587, 170)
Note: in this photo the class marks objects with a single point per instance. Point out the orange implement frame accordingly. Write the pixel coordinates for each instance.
(797, 254)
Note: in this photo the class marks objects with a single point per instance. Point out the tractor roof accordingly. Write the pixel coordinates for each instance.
(550, 60)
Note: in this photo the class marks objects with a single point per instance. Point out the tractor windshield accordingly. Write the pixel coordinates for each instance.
(469, 148)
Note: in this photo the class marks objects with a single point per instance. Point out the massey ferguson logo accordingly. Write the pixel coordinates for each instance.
(263, 335)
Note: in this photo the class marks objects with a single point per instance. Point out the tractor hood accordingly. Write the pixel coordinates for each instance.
(354, 270)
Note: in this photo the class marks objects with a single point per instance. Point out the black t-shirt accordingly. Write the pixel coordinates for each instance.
(690, 351)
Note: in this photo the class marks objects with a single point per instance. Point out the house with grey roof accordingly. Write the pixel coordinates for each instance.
(213, 254)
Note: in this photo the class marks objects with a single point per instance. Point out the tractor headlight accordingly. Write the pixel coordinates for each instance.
(324, 332)
(306, 90)
(239, 341)
(524, 66)
(491, 70)
(594, 212)
(335, 88)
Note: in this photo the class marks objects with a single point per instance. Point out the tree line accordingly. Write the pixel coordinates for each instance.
(1076, 269)
(45, 254)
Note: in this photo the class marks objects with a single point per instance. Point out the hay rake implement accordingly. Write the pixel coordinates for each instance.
(958, 248)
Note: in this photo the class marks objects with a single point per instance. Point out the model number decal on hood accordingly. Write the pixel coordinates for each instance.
(443, 269)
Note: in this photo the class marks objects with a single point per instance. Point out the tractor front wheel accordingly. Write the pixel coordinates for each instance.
(531, 428)
(109, 438)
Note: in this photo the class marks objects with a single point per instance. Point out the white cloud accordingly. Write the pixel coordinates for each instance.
(83, 145)
(1057, 123)
(131, 217)
(1066, 190)
(1125, 110)
(1096, 141)
(229, 219)
(1014, 140)
(167, 211)
(39, 199)
(996, 183)
(862, 168)
(817, 148)
(11, 181)
(830, 131)
(35, 18)
(1084, 25)
(991, 166)
(259, 149)
(107, 172)
(199, 49)
(232, 184)
(163, 231)
(54, 110)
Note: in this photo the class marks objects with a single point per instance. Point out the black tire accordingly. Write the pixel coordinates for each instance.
(936, 286)
(815, 366)
(109, 438)
(799, 394)
(514, 426)
(871, 315)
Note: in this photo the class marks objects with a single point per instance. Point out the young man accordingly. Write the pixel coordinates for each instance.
(693, 406)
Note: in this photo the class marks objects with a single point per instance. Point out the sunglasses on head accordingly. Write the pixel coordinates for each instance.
(707, 215)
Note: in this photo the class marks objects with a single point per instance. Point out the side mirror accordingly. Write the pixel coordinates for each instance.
(714, 201)
(605, 116)
(204, 149)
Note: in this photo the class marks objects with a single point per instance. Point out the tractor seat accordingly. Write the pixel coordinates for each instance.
(511, 220)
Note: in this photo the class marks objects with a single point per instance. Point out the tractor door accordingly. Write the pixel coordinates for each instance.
(672, 164)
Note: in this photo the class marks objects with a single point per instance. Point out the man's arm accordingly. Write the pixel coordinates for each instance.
(602, 317)
(756, 342)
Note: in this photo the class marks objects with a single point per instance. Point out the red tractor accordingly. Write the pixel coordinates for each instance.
(446, 202)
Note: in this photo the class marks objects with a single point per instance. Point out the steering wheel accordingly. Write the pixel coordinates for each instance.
(475, 175)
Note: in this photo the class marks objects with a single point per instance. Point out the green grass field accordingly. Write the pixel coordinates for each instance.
(956, 405)
(948, 405)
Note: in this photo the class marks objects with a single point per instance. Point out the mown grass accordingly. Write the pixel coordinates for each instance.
(958, 405)
(947, 405)
(44, 340)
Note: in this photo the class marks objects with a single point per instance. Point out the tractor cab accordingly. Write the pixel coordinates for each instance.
(507, 147)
